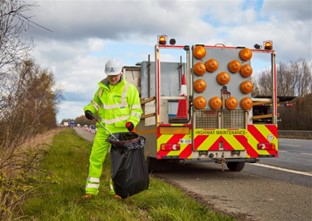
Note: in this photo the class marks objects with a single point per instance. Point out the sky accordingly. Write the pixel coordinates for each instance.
(73, 39)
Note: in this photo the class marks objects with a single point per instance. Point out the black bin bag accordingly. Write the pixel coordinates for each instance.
(129, 169)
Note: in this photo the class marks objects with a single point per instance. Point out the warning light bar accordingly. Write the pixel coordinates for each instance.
(162, 40)
(267, 45)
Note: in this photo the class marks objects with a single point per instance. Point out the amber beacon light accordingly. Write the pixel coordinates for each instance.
(268, 45)
(162, 39)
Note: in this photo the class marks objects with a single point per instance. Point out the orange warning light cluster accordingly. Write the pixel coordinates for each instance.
(215, 103)
(226, 72)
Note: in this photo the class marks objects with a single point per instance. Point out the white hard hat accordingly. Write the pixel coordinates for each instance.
(113, 67)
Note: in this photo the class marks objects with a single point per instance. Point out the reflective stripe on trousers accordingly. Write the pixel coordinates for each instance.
(98, 153)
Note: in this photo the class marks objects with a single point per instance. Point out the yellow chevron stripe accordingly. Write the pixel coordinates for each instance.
(234, 143)
(208, 142)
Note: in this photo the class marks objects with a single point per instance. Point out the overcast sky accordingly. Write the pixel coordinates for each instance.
(83, 34)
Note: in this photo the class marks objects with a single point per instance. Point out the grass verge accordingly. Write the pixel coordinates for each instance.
(61, 198)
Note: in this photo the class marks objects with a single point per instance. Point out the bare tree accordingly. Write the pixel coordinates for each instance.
(13, 23)
(303, 77)
(29, 108)
(293, 79)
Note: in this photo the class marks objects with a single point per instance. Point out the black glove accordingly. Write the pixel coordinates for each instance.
(129, 126)
(89, 115)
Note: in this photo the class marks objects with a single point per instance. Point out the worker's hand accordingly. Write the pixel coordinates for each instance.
(89, 115)
(129, 126)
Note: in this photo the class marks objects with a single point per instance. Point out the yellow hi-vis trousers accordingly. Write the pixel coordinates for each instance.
(98, 153)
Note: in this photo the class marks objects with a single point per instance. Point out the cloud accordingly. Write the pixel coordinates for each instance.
(86, 33)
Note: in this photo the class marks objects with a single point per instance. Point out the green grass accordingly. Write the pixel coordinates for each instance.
(61, 197)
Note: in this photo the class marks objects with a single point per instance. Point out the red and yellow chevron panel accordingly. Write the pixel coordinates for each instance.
(257, 140)
(218, 139)
(184, 140)
(267, 136)
(176, 136)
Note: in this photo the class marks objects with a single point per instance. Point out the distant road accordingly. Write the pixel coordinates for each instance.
(85, 134)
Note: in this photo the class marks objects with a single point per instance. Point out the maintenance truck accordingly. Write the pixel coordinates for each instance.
(200, 108)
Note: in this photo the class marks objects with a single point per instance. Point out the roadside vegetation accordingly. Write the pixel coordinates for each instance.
(66, 163)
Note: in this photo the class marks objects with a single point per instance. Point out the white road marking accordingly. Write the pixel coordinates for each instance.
(283, 169)
(310, 154)
(289, 145)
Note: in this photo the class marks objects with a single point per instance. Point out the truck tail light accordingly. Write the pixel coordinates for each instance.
(169, 146)
(266, 146)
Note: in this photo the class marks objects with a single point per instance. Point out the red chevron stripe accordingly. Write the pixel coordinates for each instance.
(186, 152)
(250, 151)
(273, 129)
(199, 140)
(256, 134)
(226, 145)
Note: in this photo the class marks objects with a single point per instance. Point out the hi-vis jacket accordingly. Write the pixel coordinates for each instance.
(116, 105)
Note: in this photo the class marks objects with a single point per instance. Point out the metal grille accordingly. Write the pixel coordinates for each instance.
(227, 118)
(206, 119)
(233, 119)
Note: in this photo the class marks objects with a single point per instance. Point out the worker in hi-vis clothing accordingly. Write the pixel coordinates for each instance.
(117, 106)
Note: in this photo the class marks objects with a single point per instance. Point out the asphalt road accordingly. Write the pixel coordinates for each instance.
(272, 190)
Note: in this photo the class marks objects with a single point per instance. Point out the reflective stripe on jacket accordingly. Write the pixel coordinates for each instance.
(116, 105)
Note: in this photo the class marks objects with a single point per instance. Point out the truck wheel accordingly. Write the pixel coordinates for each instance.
(152, 164)
(235, 166)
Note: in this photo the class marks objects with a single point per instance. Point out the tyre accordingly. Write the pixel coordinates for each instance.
(152, 164)
(235, 166)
